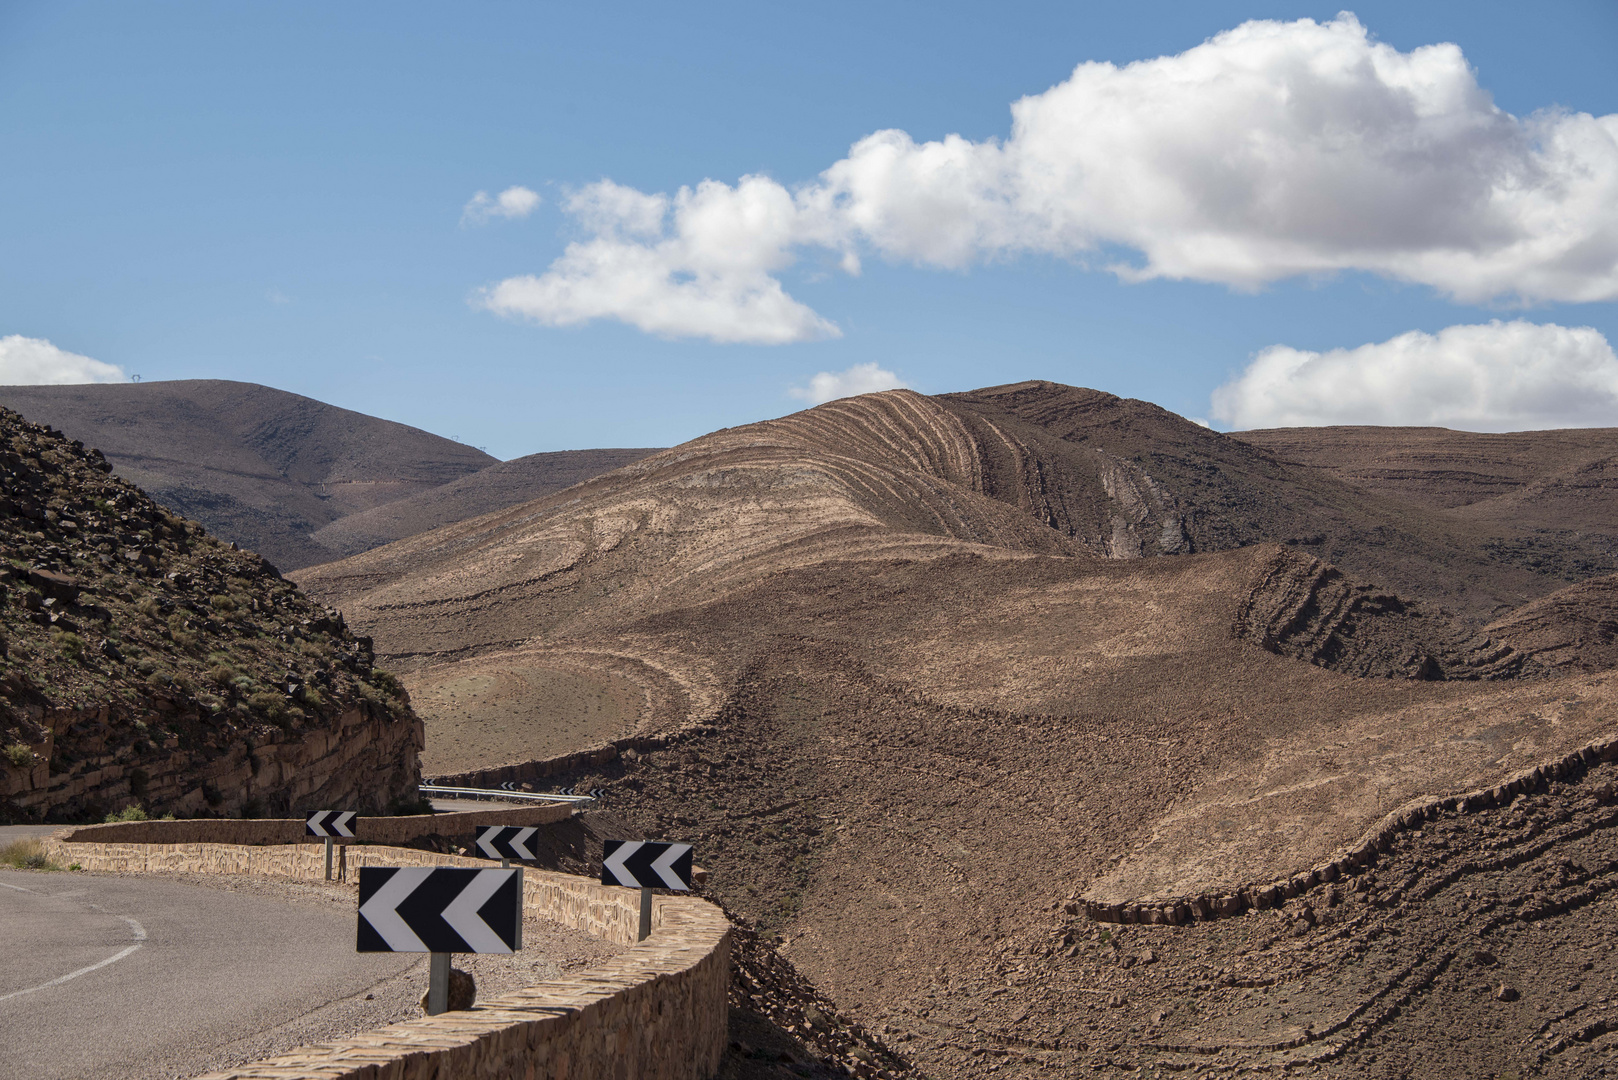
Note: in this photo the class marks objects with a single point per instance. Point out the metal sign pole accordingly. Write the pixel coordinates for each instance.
(645, 914)
(438, 984)
(328, 858)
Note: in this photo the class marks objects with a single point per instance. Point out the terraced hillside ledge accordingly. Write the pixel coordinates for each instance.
(144, 663)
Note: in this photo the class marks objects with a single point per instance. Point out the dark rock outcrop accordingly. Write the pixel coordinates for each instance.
(146, 663)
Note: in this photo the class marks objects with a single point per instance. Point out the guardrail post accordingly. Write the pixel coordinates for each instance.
(645, 914)
(328, 858)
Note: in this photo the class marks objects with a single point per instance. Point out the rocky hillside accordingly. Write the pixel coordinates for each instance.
(915, 673)
(143, 662)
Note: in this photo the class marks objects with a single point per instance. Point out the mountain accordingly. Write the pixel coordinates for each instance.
(923, 677)
(296, 480)
(144, 662)
(506, 483)
(1545, 501)
(258, 466)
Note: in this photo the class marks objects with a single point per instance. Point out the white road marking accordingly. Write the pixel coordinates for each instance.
(136, 929)
(72, 974)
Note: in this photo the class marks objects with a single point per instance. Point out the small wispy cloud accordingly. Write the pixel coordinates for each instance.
(276, 296)
(26, 361)
(514, 202)
(859, 379)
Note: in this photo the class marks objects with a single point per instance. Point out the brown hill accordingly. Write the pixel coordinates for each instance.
(894, 664)
(496, 487)
(1546, 501)
(143, 662)
(257, 466)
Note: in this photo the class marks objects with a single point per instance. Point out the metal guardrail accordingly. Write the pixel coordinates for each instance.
(496, 793)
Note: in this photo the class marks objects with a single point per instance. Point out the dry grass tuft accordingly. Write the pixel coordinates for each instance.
(26, 854)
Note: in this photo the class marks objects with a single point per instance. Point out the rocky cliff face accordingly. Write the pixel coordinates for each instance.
(143, 662)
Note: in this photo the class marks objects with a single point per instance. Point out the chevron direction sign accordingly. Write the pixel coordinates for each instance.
(440, 909)
(506, 842)
(330, 823)
(646, 864)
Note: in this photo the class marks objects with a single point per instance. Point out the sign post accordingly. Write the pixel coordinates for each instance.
(646, 865)
(438, 984)
(329, 824)
(439, 910)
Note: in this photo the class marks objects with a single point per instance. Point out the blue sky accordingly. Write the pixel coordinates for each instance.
(275, 193)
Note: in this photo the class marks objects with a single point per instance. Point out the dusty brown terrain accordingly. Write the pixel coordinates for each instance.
(495, 487)
(145, 663)
(926, 670)
(488, 710)
(1543, 500)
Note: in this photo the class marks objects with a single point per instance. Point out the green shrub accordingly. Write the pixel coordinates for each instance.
(68, 644)
(221, 675)
(385, 680)
(128, 813)
(19, 755)
(222, 603)
(271, 705)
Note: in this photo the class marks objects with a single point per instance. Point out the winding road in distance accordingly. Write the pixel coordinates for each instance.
(136, 977)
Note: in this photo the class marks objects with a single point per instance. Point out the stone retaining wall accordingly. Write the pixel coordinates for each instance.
(375, 830)
(657, 1010)
(1362, 853)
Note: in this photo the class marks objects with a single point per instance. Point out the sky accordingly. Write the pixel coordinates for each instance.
(537, 227)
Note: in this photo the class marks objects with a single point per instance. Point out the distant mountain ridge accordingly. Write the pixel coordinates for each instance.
(275, 471)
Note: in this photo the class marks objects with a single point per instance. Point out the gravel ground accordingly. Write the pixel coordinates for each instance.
(549, 951)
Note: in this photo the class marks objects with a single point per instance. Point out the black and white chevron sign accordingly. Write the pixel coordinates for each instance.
(646, 864)
(330, 823)
(506, 842)
(440, 909)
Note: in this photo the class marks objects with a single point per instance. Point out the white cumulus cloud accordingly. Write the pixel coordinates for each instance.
(859, 379)
(514, 202)
(704, 272)
(26, 361)
(1497, 376)
(1269, 151)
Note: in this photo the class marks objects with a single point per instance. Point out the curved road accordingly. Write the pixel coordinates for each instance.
(125, 977)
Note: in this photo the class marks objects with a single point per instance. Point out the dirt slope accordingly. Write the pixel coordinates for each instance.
(1546, 501)
(496, 487)
(258, 466)
(914, 684)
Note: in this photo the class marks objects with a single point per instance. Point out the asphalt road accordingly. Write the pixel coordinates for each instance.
(124, 977)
